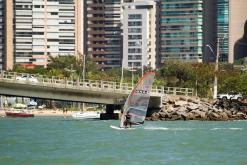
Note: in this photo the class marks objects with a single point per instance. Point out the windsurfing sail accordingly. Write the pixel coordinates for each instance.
(137, 102)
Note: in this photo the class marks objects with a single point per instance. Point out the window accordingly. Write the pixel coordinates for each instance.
(135, 16)
(134, 37)
(134, 30)
(136, 23)
(134, 50)
(135, 43)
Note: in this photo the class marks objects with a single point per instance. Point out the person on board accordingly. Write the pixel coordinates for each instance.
(127, 120)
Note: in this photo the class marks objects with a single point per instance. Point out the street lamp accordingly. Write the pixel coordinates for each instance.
(82, 57)
(84, 68)
(122, 74)
(83, 73)
(215, 88)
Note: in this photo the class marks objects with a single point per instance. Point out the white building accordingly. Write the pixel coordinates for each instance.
(140, 34)
(45, 27)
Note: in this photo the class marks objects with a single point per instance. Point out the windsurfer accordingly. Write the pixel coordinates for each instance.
(127, 120)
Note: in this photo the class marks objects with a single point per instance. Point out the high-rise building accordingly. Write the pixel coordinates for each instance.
(37, 29)
(223, 20)
(2, 20)
(43, 28)
(8, 35)
(223, 28)
(103, 32)
(140, 29)
(181, 28)
(237, 19)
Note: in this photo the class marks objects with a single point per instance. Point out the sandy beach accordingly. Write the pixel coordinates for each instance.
(44, 112)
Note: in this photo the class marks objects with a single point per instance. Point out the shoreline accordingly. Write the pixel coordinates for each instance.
(42, 113)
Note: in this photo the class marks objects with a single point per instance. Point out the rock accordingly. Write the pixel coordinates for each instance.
(199, 114)
(191, 116)
(182, 109)
(155, 116)
(183, 98)
(229, 113)
(224, 116)
(180, 103)
(193, 101)
(165, 115)
(241, 115)
(175, 117)
(184, 116)
(192, 107)
(214, 116)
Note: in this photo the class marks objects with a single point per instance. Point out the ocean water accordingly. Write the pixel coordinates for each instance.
(65, 141)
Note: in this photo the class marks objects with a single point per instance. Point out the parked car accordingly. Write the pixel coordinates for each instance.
(230, 96)
(27, 78)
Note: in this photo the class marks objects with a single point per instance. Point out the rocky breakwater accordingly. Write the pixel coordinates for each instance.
(188, 108)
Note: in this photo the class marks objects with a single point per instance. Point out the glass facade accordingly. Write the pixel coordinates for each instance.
(181, 30)
(223, 27)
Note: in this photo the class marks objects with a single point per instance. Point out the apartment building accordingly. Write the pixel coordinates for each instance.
(181, 28)
(2, 20)
(223, 28)
(140, 29)
(103, 32)
(37, 29)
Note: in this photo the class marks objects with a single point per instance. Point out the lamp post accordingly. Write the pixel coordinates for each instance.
(84, 68)
(215, 87)
(122, 72)
(83, 58)
(83, 74)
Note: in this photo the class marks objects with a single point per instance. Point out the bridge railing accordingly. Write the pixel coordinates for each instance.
(90, 84)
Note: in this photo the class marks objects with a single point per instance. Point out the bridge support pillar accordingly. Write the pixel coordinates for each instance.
(110, 112)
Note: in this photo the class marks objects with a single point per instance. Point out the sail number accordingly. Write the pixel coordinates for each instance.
(142, 91)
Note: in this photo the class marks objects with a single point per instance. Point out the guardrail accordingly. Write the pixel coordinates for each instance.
(94, 85)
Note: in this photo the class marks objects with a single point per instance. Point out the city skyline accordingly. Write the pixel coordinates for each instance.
(33, 30)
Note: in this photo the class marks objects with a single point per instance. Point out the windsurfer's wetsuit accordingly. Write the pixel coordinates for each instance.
(127, 120)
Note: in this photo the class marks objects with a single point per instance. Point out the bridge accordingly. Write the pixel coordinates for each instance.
(88, 91)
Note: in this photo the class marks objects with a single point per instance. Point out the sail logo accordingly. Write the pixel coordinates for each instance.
(142, 91)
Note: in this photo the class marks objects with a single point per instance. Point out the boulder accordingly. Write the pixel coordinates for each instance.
(192, 107)
(155, 116)
(241, 115)
(214, 116)
(224, 116)
(180, 103)
(199, 114)
(175, 117)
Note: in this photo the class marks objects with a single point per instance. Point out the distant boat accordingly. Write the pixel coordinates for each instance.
(18, 113)
(86, 115)
(137, 102)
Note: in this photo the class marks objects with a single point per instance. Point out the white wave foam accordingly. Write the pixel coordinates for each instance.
(168, 129)
(213, 129)
(236, 128)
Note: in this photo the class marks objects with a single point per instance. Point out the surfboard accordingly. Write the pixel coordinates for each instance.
(118, 128)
